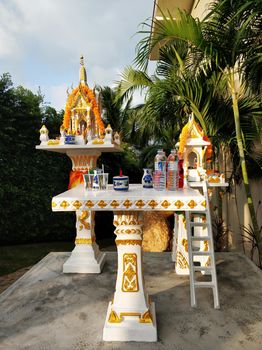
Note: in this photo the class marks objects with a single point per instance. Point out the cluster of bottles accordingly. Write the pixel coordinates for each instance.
(169, 172)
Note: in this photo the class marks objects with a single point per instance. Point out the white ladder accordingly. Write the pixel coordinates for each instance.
(211, 268)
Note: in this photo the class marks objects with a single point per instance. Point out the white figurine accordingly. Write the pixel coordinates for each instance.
(44, 135)
(62, 135)
(89, 137)
(108, 135)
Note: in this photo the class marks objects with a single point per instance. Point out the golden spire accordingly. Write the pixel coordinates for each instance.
(82, 72)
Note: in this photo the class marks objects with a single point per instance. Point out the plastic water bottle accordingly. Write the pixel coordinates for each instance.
(160, 171)
(172, 169)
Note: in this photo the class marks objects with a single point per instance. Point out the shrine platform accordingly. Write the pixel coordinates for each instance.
(46, 309)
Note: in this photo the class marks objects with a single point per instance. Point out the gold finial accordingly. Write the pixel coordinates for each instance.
(82, 71)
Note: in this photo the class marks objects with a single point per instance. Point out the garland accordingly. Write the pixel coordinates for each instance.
(88, 96)
(182, 139)
(209, 150)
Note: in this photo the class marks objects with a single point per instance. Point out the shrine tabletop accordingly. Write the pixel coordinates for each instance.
(137, 198)
(81, 149)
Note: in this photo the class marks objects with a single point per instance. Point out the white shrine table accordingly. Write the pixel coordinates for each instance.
(131, 313)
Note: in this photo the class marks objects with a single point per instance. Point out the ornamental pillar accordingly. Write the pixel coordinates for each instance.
(86, 256)
(131, 314)
(181, 243)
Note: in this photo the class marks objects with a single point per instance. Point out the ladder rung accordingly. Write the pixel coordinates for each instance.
(199, 253)
(202, 268)
(200, 238)
(198, 224)
(204, 284)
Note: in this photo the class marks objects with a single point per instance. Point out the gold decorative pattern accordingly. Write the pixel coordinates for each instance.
(130, 278)
(102, 204)
(204, 204)
(179, 204)
(84, 240)
(146, 317)
(214, 179)
(185, 244)
(123, 218)
(127, 203)
(114, 204)
(129, 241)
(181, 261)
(128, 231)
(205, 246)
(140, 203)
(114, 318)
(192, 204)
(53, 204)
(89, 204)
(77, 204)
(184, 220)
(153, 204)
(208, 262)
(82, 218)
(64, 204)
(165, 204)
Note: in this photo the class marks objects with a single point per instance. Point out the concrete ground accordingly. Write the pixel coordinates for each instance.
(46, 310)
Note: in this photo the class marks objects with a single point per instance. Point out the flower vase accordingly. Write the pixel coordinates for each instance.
(147, 179)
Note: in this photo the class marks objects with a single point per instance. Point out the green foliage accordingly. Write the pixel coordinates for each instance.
(29, 178)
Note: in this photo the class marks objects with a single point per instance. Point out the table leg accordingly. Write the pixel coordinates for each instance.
(182, 262)
(131, 314)
(86, 256)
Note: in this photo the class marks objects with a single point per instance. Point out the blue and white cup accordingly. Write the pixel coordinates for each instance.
(121, 183)
(70, 140)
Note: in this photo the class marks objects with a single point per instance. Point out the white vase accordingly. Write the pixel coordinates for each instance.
(147, 179)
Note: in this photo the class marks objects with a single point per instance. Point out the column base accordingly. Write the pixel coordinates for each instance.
(181, 272)
(130, 329)
(82, 263)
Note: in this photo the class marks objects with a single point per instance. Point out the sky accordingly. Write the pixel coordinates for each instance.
(41, 42)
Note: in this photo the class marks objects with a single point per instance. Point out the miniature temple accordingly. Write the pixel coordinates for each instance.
(82, 116)
(196, 151)
(83, 136)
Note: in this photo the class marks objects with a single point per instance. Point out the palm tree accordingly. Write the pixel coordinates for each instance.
(229, 39)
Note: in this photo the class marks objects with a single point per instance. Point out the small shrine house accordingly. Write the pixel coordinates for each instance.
(194, 147)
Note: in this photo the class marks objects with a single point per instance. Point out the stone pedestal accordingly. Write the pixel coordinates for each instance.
(82, 162)
(86, 256)
(130, 315)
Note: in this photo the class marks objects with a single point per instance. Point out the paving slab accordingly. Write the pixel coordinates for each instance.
(48, 310)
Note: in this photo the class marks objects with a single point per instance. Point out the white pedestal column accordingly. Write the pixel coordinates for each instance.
(86, 256)
(130, 315)
(180, 235)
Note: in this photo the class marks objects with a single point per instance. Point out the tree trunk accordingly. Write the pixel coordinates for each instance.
(250, 202)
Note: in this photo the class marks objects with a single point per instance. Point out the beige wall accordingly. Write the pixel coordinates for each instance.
(200, 8)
